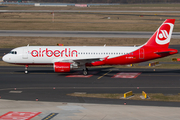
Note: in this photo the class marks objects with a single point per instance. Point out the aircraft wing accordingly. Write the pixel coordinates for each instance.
(83, 61)
(87, 60)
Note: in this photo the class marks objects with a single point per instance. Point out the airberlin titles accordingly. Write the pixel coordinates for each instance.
(56, 53)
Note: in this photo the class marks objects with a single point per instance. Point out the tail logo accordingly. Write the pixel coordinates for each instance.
(164, 34)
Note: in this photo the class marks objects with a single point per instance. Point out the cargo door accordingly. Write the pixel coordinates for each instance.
(141, 53)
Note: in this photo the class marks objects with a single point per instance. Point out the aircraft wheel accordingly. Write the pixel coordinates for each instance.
(85, 72)
(26, 72)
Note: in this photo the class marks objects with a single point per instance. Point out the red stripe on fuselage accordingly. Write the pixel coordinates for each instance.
(135, 57)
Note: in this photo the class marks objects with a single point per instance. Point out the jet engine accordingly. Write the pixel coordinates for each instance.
(63, 66)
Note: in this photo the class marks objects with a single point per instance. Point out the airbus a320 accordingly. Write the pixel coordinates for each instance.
(66, 58)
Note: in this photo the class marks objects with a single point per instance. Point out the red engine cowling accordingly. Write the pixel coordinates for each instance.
(62, 67)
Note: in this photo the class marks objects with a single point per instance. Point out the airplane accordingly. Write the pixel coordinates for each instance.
(66, 58)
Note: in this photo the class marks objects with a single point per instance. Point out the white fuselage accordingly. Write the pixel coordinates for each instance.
(51, 54)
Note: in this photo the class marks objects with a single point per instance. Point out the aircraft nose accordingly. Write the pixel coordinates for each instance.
(5, 58)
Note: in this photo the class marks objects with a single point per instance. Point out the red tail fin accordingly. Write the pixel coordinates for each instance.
(162, 37)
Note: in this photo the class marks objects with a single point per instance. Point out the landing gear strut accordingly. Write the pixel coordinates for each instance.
(26, 69)
(85, 71)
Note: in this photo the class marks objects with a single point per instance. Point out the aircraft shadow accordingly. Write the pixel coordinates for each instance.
(101, 71)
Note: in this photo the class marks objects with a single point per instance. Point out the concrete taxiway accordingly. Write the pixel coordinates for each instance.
(86, 11)
(83, 111)
(106, 34)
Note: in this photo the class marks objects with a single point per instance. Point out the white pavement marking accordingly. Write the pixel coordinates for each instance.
(15, 91)
(126, 75)
(104, 74)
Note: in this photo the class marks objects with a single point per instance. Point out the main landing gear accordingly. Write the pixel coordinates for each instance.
(85, 71)
(26, 69)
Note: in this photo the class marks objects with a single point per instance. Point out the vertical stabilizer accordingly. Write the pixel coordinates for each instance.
(162, 36)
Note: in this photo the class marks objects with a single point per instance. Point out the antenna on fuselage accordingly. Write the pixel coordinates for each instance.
(28, 45)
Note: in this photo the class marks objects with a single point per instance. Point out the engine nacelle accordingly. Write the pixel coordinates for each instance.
(62, 67)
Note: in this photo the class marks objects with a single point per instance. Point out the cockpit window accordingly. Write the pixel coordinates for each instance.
(13, 52)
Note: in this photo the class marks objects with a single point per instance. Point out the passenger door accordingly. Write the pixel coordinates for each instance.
(25, 53)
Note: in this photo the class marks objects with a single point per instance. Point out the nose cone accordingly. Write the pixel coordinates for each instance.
(5, 58)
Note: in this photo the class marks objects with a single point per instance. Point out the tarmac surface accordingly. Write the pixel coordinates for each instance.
(87, 11)
(106, 34)
(44, 84)
(44, 91)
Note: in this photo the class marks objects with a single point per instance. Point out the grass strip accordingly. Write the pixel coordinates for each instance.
(153, 96)
(86, 21)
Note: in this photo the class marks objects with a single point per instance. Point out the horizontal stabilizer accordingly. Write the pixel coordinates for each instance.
(163, 52)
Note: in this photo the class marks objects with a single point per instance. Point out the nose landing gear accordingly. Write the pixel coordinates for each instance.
(26, 69)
